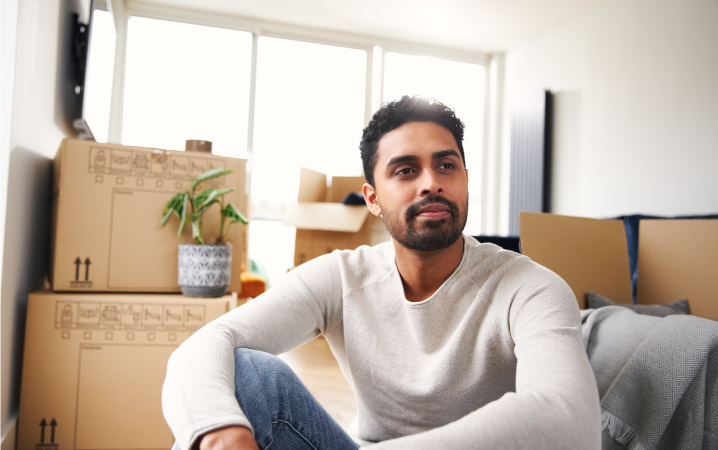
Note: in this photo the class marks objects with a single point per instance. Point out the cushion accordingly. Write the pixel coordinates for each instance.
(252, 285)
(594, 301)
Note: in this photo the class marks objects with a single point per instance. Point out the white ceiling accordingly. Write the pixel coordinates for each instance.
(474, 25)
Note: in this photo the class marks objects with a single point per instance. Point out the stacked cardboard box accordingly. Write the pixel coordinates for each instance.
(324, 223)
(94, 365)
(107, 205)
(96, 348)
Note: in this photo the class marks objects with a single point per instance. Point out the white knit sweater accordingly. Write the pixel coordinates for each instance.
(492, 360)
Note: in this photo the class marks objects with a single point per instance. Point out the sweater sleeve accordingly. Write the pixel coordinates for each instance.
(198, 392)
(555, 405)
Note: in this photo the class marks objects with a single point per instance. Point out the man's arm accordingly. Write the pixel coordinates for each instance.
(198, 393)
(236, 438)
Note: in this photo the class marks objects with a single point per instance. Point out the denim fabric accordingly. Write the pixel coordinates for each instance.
(283, 413)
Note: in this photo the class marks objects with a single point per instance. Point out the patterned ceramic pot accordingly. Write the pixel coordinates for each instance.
(204, 270)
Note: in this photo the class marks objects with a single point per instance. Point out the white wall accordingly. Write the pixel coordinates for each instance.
(8, 30)
(35, 129)
(636, 106)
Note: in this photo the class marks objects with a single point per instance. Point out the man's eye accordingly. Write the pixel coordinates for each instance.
(404, 171)
(447, 165)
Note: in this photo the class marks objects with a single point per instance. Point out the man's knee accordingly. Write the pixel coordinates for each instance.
(262, 379)
(260, 363)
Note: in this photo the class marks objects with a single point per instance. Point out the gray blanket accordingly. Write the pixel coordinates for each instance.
(657, 379)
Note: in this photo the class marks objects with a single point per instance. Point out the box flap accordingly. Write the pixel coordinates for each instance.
(591, 255)
(312, 186)
(327, 216)
(677, 259)
(341, 186)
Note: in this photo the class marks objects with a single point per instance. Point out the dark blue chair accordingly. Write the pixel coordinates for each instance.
(505, 242)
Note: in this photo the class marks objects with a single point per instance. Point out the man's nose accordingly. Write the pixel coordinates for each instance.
(430, 183)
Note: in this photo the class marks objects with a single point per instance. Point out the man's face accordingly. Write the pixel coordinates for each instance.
(421, 186)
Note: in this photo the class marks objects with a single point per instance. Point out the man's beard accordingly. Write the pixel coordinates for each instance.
(433, 234)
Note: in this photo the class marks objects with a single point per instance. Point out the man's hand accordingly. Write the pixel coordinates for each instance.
(234, 438)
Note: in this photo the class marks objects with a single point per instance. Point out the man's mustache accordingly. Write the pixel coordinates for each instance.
(413, 210)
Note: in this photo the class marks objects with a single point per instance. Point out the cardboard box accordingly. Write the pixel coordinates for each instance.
(107, 205)
(589, 254)
(94, 365)
(676, 258)
(325, 224)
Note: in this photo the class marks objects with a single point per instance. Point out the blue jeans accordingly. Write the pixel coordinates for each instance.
(284, 415)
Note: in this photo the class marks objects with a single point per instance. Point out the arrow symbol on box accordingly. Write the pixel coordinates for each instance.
(53, 424)
(43, 424)
(78, 261)
(87, 268)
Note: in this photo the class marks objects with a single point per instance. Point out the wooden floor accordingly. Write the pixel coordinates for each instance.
(316, 367)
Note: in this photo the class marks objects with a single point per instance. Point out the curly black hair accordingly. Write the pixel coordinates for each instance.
(392, 115)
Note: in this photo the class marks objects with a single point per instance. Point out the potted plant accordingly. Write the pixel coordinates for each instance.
(203, 270)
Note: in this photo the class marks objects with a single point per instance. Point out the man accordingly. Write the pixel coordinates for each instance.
(446, 343)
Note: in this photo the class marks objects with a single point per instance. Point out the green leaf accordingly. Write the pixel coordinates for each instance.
(167, 216)
(183, 213)
(206, 199)
(234, 214)
(171, 204)
(197, 214)
(172, 207)
(174, 200)
(213, 195)
(199, 198)
(210, 174)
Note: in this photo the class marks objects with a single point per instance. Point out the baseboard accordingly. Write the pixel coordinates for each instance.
(8, 440)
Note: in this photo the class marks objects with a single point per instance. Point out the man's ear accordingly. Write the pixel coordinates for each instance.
(371, 200)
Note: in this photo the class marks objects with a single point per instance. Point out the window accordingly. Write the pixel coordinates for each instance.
(308, 105)
(456, 84)
(309, 113)
(185, 81)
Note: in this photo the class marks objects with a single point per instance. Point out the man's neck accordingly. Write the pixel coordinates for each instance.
(422, 273)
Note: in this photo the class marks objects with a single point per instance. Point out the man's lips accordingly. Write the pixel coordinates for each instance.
(434, 211)
(432, 208)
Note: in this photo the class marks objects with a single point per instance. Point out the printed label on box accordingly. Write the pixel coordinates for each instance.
(140, 163)
(128, 316)
(47, 435)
